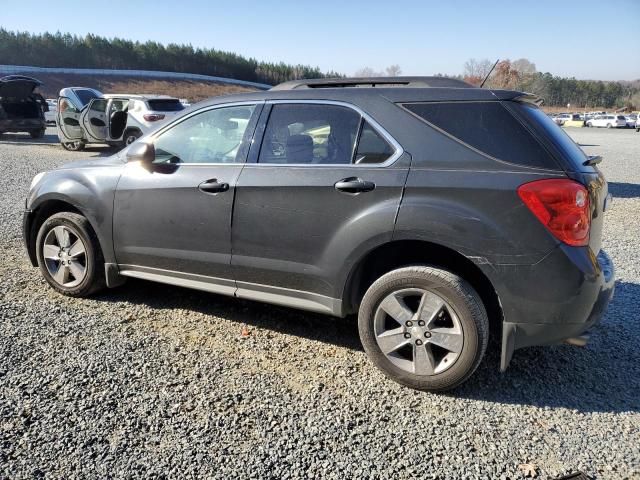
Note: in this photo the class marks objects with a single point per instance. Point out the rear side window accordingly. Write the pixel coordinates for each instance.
(309, 134)
(488, 127)
(165, 105)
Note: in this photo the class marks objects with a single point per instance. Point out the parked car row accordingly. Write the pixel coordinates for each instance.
(598, 119)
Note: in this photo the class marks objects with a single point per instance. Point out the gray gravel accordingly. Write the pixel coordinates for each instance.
(156, 381)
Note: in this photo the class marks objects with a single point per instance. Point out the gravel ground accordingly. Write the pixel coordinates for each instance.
(155, 381)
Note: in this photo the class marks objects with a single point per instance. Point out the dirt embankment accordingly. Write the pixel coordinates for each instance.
(193, 91)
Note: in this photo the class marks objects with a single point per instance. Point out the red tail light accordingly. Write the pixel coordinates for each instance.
(562, 206)
(153, 117)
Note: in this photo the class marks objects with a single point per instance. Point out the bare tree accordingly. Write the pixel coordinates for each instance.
(390, 71)
(524, 66)
(476, 70)
(367, 72)
(393, 70)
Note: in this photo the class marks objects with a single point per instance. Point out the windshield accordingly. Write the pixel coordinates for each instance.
(563, 142)
(85, 96)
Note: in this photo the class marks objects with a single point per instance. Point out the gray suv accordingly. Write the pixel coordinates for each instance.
(441, 214)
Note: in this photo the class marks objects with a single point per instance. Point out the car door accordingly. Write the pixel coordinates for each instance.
(94, 119)
(172, 218)
(117, 115)
(310, 198)
(68, 119)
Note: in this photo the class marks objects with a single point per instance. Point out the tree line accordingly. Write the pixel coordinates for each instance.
(93, 51)
(556, 91)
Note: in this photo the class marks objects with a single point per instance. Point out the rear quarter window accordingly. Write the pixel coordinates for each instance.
(487, 127)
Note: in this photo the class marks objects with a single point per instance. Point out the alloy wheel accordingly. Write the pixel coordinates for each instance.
(65, 256)
(418, 331)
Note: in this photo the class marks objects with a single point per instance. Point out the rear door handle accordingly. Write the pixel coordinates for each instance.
(213, 186)
(354, 185)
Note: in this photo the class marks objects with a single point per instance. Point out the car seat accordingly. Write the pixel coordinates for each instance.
(299, 149)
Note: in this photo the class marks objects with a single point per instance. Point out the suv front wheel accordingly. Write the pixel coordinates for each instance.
(69, 255)
(424, 327)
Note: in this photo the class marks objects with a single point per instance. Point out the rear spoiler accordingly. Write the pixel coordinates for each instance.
(529, 98)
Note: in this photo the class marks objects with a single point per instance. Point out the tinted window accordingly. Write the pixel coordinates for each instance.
(488, 127)
(85, 96)
(214, 136)
(99, 106)
(313, 134)
(165, 105)
(372, 147)
(569, 149)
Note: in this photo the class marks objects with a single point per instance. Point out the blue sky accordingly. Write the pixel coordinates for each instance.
(581, 38)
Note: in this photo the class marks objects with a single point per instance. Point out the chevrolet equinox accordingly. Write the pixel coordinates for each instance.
(441, 213)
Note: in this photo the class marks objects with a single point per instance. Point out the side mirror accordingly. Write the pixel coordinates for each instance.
(141, 152)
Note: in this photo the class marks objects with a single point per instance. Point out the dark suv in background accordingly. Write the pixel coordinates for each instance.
(440, 213)
(21, 108)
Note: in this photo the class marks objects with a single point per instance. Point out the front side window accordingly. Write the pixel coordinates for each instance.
(67, 106)
(98, 105)
(214, 136)
(310, 134)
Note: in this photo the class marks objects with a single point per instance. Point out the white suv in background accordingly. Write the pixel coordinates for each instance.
(145, 111)
(608, 121)
(87, 116)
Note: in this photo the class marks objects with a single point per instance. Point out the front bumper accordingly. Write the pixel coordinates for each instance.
(519, 335)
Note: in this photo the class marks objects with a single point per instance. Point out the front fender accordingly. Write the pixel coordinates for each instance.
(88, 190)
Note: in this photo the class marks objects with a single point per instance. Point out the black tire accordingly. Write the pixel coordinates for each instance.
(94, 279)
(130, 136)
(458, 294)
(37, 133)
(73, 146)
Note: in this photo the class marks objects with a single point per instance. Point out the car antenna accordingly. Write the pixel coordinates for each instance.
(490, 72)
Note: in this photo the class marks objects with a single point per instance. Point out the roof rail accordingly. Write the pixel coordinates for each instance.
(412, 82)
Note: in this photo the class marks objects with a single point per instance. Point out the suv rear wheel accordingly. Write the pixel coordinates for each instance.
(130, 136)
(424, 327)
(69, 255)
(73, 146)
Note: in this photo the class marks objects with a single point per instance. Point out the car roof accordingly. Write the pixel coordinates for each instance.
(135, 96)
(364, 95)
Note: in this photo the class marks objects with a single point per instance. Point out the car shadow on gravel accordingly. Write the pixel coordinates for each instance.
(590, 379)
(604, 376)
(342, 332)
(624, 190)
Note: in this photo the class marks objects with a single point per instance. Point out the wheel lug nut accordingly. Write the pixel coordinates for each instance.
(427, 334)
(407, 335)
(409, 323)
(421, 323)
(418, 342)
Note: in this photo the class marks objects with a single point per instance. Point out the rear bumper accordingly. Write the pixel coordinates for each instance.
(569, 319)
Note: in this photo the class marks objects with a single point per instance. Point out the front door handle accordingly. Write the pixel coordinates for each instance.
(213, 186)
(354, 185)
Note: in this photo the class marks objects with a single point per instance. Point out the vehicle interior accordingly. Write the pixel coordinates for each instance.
(19, 108)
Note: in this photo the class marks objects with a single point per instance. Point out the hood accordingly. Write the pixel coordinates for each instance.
(17, 86)
(113, 160)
